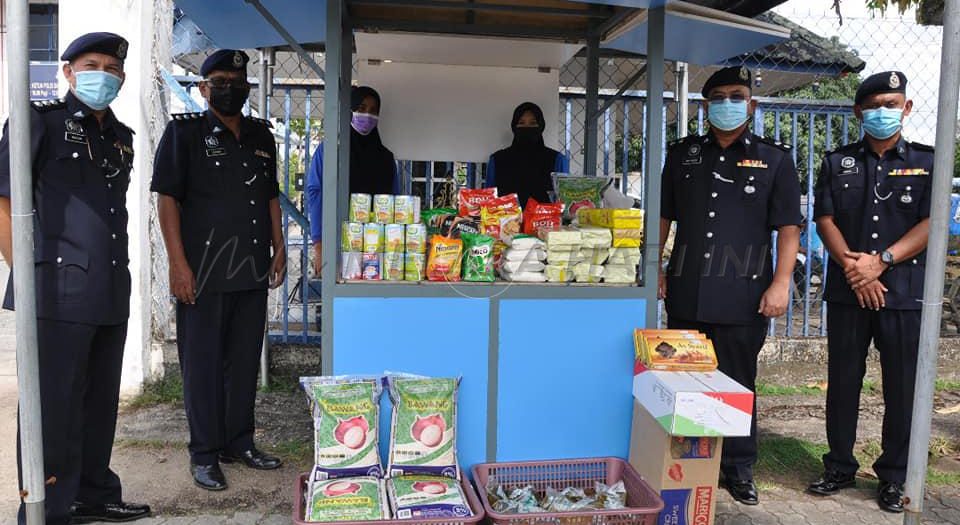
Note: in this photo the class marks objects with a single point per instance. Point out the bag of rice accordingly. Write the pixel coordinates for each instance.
(478, 258)
(427, 497)
(423, 437)
(444, 261)
(348, 499)
(346, 421)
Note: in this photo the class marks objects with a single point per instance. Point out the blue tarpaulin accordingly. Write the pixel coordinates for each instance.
(236, 24)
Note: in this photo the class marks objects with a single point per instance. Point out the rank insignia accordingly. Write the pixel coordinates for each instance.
(908, 172)
(212, 141)
(747, 163)
(261, 153)
(906, 198)
(123, 147)
(848, 162)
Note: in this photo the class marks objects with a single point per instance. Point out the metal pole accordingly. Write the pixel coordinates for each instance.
(287, 37)
(590, 131)
(656, 20)
(936, 260)
(262, 107)
(683, 98)
(21, 186)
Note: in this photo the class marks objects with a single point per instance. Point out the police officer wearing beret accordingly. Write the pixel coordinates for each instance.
(216, 178)
(82, 157)
(727, 191)
(872, 211)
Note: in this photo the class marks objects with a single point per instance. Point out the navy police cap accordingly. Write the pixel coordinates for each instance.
(225, 60)
(106, 43)
(728, 76)
(886, 82)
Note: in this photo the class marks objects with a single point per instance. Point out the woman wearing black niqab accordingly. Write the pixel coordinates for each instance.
(373, 169)
(525, 167)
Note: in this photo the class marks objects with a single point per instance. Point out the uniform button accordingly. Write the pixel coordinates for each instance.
(846, 185)
(722, 158)
(909, 188)
(875, 236)
(244, 164)
(751, 177)
(252, 203)
(76, 155)
(254, 221)
(112, 211)
(873, 252)
(59, 260)
(216, 163)
(709, 235)
(712, 214)
(746, 141)
(914, 261)
(255, 241)
(109, 185)
(754, 277)
(876, 218)
(207, 243)
(879, 168)
(687, 176)
(714, 195)
(113, 236)
(706, 255)
(875, 201)
(113, 262)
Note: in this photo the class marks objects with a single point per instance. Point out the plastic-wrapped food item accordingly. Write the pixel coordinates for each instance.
(416, 209)
(393, 235)
(469, 200)
(594, 256)
(445, 258)
(675, 352)
(414, 266)
(595, 237)
(501, 218)
(611, 497)
(533, 254)
(524, 277)
(415, 239)
(427, 497)
(564, 238)
(423, 437)
(558, 273)
(579, 192)
(565, 258)
(383, 208)
(403, 206)
(351, 237)
(347, 499)
(431, 218)
(567, 500)
(629, 218)
(587, 273)
(520, 500)
(627, 238)
(539, 218)
(351, 266)
(624, 256)
(619, 274)
(360, 204)
(393, 266)
(346, 421)
(372, 266)
(522, 266)
(525, 242)
(454, 226)
(478, 258)
(373, 238)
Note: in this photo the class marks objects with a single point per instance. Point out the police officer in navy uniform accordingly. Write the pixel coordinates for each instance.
(216, 178)
(728, 191)
(82, 157)
(872, 211)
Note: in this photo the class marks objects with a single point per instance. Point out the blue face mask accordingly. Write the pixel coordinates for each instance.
(882, 123)
(728, 115)
(96, 89)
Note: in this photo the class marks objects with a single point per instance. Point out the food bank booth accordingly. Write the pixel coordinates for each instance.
(547, 368)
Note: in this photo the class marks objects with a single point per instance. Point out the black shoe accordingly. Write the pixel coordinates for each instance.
(743, 491)
(890, 497)
(110, 512)
(252, 458)
(832, 482)
(208, 477)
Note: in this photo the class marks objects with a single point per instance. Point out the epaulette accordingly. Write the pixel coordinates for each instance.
(47, 105)
(186, 116)
(260, 121)
(776, 143)
(921, 147)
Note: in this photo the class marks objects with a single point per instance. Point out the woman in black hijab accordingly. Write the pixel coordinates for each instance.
(525, 167)
(373, 169)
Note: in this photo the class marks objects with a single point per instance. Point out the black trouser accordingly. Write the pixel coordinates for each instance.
(219, 340)
(80, 368)
(737, 348)
(896, 334)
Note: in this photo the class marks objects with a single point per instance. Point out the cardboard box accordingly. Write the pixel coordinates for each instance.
(694, 403)
(688, 483)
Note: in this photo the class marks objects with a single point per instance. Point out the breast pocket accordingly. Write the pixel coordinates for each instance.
(907, 194)
(68, 166)
(755, 187)
(67, 266)
(848, 191)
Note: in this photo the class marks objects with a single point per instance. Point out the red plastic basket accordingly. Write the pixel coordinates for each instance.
(299, 504)
(643, 503)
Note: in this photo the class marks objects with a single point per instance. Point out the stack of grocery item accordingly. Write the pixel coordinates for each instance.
(626, 230)
(523, 260)
(595, 249)
(683, 407)
(563, 253)
(383, 239)
(422, 480)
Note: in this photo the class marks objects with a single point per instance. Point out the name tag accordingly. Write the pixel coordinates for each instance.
(76, 138)
(747, 163)
(908, 172)
(261, 153)
(216, 152)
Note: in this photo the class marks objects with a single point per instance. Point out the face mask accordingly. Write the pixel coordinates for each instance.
(364, 123)
(882, 123)
(527, 135)
(96, 89)
(228, 101)
(728, 115)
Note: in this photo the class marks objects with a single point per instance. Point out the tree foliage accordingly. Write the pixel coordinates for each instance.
(883, 5)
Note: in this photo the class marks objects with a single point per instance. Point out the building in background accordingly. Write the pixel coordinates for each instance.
(44, 51)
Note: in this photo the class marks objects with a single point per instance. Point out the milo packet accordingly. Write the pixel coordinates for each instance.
(478, 258)
(346, 417)
(423, 434)
(347, 499)
(426, 497)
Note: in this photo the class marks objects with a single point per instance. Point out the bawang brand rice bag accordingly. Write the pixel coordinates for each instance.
(423, 437)
(346, 417)
(350, 499)
(427, 497)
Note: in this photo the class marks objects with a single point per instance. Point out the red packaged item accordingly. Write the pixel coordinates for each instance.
(542, 217)
(501, 218)
(469, 200)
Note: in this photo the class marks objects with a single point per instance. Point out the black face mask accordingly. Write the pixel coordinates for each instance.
(228, 101)
(527, 136)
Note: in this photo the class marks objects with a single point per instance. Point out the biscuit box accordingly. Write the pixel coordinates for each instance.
(683, 470)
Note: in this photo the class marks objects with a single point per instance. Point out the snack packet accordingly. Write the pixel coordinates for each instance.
(478, 258)
(579, 192)
(427, 497)
(383, 208)
(348, 499)
(469, 200)
(431, 218)
(540, 218)
(423, 437)
(444, 261)
(346, 421)
(454, 226)
(360, 204)
(501, 218)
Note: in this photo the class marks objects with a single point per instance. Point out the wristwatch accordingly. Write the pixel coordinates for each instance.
(886, 257)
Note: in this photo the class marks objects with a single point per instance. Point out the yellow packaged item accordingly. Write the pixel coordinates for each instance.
(558, 273)
(683, 351)
(445, 259)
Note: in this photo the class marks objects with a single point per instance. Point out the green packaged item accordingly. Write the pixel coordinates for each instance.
(477, 258)
(346, 421)
(429, 217)
(579, 192)
(348, 499)
(427, 497)
(414, 265)
(424, 426)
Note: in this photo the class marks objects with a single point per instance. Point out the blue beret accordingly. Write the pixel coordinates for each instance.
(728, 76)
(886, 82)
(106, 43)
(225, 60)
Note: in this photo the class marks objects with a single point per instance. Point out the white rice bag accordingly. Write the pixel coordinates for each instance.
(423, 437)
(427, 497)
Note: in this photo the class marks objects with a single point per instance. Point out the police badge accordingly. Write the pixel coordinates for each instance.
(744, 74)
(211, 141)
(238, 60)
(122, 50)
(847, 162)
(894, 80)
